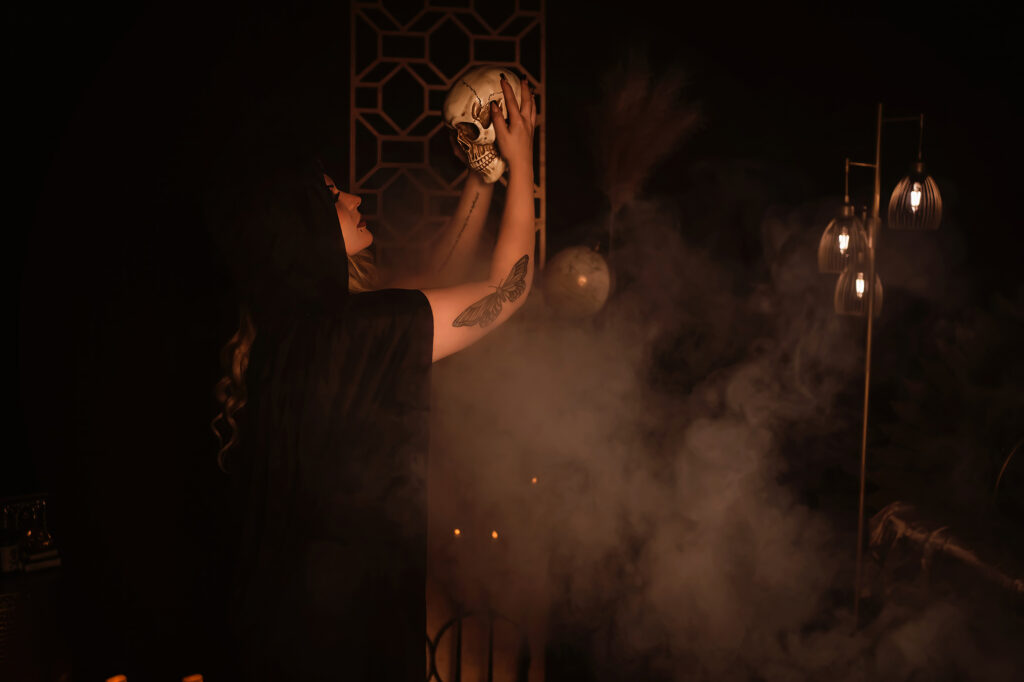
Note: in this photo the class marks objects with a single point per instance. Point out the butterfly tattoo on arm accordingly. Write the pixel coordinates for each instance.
(486, 310)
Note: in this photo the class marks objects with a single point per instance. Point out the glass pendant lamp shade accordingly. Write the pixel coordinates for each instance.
(851, 296)
(915, 203)
(842, 242)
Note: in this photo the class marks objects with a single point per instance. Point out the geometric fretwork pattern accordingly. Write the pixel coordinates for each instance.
(406, 55)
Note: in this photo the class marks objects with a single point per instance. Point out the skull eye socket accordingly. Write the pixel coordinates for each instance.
(468, 130)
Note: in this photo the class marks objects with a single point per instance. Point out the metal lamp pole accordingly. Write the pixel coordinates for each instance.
(874, 223)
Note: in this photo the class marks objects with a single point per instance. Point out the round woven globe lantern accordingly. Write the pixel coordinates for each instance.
(576, 282)
(915, 204)
(843, 241)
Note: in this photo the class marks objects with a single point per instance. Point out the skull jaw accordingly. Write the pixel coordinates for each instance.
(484, 159)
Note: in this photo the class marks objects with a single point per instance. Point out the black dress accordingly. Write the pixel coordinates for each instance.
(332, 571)
(329, 478)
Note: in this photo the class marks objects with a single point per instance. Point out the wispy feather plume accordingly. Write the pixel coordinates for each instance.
(640, 120)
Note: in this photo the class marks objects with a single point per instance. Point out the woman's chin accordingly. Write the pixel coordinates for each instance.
(358, 244)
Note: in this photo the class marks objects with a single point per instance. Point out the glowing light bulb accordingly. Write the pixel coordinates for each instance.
(457, 532)
(860, 285)
(581, 280)
(915, 197)
(533, 480)
(494, 535)
(844, 241)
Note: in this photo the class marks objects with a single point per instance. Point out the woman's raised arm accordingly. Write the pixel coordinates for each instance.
(465, 313)
(452, 258)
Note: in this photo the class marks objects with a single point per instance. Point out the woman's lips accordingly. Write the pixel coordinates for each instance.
(361, 224)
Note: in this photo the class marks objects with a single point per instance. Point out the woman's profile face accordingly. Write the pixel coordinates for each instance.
(353, 227)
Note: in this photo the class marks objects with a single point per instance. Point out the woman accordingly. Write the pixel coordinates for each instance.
(330, 468)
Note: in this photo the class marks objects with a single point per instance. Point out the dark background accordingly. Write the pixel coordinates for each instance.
(122, 302)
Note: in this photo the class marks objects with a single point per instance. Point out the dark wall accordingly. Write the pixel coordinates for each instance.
(122, 298)
(793, 87)
(124, 303)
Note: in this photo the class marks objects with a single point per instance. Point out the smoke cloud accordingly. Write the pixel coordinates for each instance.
(664, 434)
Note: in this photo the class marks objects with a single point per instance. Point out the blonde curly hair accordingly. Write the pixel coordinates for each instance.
(362, 272)
(230, 391)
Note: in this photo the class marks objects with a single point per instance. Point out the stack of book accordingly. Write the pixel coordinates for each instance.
(38, 560)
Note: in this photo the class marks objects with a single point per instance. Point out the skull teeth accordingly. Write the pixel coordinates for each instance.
(481, 162)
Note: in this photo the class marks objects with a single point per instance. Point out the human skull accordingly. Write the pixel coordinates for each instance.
(467, 113)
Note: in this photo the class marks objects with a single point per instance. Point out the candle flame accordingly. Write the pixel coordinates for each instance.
(494, 535)
(457, 532)
(581, 280)
(533, 480)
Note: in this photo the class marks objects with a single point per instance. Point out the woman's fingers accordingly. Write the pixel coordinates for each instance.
(529, 101)
(525, 98)
(515, 136)
(528, 108)
(498, 121)
(524, 111)
(511, 105)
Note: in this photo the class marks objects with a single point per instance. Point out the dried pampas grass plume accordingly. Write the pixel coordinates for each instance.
(640, 120)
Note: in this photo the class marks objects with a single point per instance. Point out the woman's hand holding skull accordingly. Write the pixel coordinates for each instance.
(515, 138)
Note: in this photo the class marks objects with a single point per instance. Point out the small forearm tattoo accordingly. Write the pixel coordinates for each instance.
(461, 230)
(486, 310)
